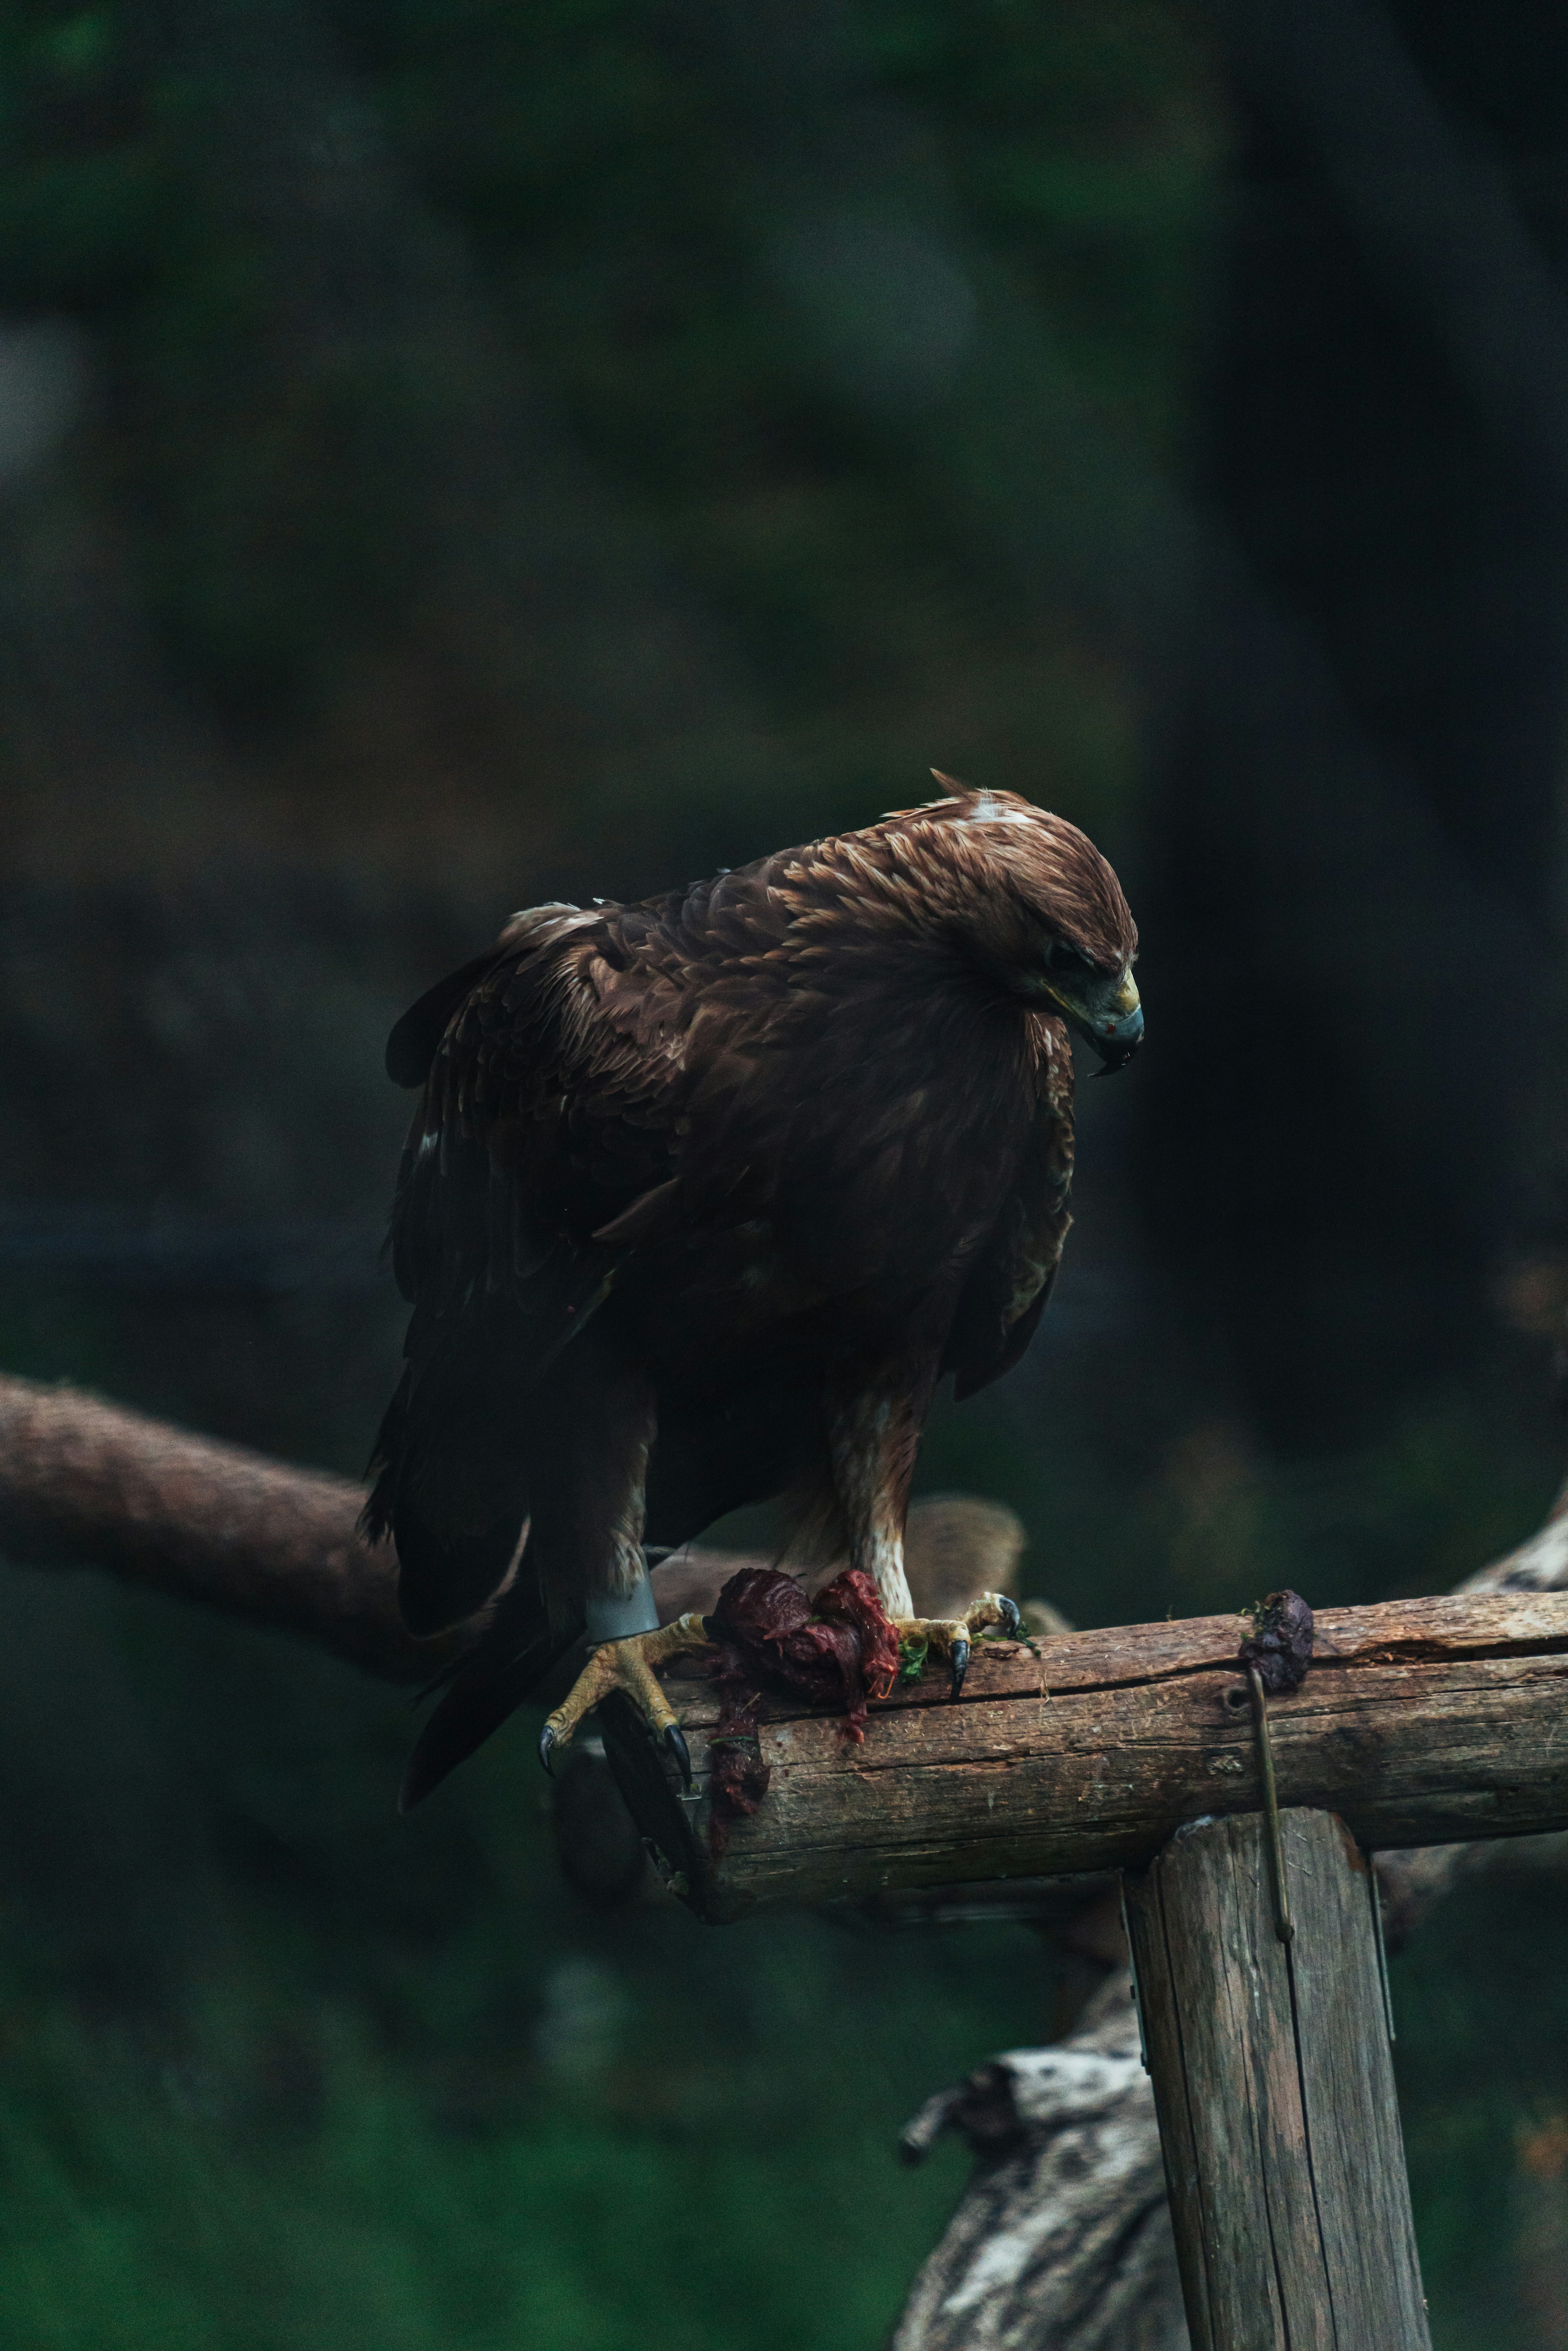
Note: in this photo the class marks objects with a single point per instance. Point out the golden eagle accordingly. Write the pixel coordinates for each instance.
(702, 1197)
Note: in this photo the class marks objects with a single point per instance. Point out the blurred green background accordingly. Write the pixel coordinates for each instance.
(455, 456)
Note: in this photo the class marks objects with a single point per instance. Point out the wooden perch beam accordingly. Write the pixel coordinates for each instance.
(1421, 1722)
(82, 1480)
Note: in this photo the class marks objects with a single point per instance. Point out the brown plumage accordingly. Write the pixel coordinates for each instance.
(706, 1193)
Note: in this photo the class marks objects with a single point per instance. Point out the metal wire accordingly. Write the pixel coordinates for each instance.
(1282, 1926)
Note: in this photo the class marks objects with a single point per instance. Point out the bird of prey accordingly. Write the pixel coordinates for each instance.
(702, 1197)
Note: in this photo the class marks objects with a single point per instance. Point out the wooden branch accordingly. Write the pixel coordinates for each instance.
(1421, 1722)
(92, 1482)
(86, 1482)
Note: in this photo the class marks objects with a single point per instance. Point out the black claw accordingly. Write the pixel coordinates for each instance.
(546, 1748)
(676, 1745)
(961, 1666)
(1012, 1622)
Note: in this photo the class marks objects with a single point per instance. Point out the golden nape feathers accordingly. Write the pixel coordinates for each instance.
(702, 1197)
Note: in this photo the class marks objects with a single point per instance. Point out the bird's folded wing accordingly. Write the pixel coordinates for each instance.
(1010, 1283)
(543, 1133)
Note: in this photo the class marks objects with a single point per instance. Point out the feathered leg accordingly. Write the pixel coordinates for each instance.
(874, 1418)
(588, 1530)
(874, 1426)
(582, 1569)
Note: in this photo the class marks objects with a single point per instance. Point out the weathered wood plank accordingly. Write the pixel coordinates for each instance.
(1421, 1722)
(1115, 1656)
(1275, 2092)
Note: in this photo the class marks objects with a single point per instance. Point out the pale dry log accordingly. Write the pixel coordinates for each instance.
(1540, 1563)
(1063, 2237)
(1414, 1878)
(957, 1546)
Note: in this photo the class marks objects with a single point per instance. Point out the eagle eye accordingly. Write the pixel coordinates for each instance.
(1068, 962)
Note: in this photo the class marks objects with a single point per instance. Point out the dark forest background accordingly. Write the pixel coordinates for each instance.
(457, 454)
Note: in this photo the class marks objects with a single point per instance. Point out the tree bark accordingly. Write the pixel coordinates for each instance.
(1063, 2237)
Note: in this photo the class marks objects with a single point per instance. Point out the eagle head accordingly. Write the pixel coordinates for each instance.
(1044, 916)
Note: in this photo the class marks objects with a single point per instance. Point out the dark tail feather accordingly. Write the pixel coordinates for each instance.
(486, 1689)
(444, 1579)
(413, 1042)
(452, 1489)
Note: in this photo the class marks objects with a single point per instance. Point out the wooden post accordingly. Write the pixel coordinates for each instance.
(1275, 2090)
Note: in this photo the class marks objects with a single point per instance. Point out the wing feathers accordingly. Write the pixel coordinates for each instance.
(646, 1214)
(534, 1166)
(413, 1042)
(483, 1692)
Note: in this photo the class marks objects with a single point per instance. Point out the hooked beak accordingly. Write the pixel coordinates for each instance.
(1112, 1021)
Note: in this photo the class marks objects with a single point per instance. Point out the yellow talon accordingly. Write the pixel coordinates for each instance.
(950, 1635)
(627, 1666)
